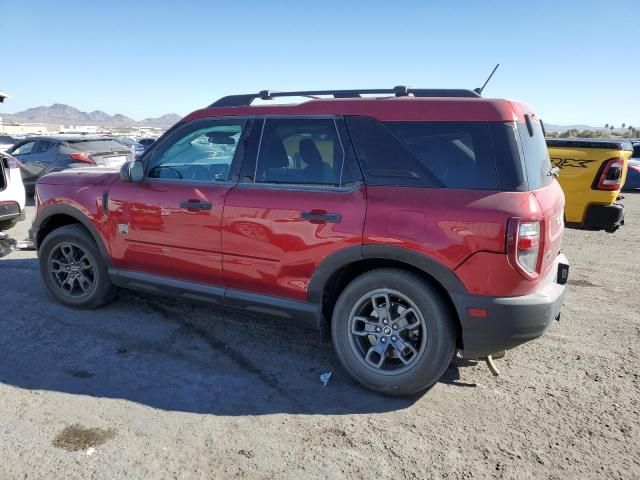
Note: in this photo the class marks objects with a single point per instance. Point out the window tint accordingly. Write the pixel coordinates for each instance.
(298, 151)
(200, 152)
(536, 156)
(96, 145)
(24, 149)
(508, 158)
(425, 154)
(42, 146)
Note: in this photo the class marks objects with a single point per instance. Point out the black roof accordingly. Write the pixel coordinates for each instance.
(399, 91)
(604, 143)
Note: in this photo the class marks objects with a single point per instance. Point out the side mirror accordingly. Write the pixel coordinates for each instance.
(132, 172)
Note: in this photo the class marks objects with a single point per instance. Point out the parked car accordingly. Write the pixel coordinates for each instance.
(136, 148)
(633, 170)
(407, 226)
(146, 142)
(591, 172)
(6, 142)
(41, 155)
(12, 194)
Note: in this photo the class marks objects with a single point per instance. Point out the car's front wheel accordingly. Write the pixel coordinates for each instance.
(393, 332)
(73, 270)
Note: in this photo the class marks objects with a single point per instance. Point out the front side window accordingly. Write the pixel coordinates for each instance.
(24, 149)
(201, 152)
(300, 151)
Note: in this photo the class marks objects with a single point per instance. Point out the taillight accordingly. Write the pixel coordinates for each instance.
(610, 177)
(81, 157)
(524, 237)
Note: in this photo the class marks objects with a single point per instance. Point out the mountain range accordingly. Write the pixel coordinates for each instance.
(61, 114)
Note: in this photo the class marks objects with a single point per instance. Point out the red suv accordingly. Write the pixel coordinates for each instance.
(410, 224)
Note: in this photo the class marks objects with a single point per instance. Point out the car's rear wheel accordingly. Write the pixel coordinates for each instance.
(393, 331)
(73, 270)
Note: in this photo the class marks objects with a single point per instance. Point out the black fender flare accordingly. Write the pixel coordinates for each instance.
(67, 210)
(334, 262)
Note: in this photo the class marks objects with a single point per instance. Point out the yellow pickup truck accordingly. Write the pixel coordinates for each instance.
(591, 173)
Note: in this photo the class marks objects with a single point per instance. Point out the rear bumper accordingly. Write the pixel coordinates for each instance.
(510, 321)
(11, 210)
(603, 217)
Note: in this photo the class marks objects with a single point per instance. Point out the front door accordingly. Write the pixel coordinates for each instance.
(169, 223)
(299, 203)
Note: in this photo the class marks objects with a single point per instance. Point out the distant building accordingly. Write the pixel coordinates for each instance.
(26, 128)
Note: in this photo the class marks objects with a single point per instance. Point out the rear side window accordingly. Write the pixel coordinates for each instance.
(300, 151)
(42, 146)
(425, 154)
(536, 156)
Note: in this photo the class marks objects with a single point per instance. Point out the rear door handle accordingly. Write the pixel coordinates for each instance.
(195, 205)
(322, 216)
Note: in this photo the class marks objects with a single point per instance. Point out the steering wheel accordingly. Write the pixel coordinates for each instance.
(197, 172)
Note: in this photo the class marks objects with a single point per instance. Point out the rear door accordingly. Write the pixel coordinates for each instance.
(300, 199)
(169, 223)
(43, 158)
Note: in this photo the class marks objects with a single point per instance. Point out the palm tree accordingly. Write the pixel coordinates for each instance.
(611, 127)
(622, 129)
(606, 127)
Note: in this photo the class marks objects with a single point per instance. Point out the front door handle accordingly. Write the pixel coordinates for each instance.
(195, 205)
(321, 216)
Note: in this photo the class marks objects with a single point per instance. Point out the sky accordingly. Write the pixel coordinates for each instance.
(575, 62)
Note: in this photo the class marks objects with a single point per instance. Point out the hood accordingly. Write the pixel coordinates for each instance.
(81, 177)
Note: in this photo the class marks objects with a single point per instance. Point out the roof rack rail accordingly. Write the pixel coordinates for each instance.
(399, 91)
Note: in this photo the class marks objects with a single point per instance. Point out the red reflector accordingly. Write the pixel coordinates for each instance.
(527, 243)
(478, 312)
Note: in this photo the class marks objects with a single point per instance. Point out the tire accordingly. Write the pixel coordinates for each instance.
(91, 288)
(8, 224)
(424, 343)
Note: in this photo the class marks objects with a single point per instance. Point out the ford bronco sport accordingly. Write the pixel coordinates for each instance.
(409, 225)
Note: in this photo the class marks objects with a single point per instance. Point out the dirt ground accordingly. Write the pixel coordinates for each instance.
(151, 388)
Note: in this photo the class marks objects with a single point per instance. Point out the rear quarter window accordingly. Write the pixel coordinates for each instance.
(537, 165)
(425, 154)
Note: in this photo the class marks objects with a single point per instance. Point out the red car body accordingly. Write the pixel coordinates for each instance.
(252, 249)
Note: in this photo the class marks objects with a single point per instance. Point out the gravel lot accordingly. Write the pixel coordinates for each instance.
(152, 388)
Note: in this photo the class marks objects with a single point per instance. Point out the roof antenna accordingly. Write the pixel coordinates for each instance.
(479, 90)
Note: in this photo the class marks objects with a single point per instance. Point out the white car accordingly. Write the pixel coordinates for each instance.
(12, 194)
